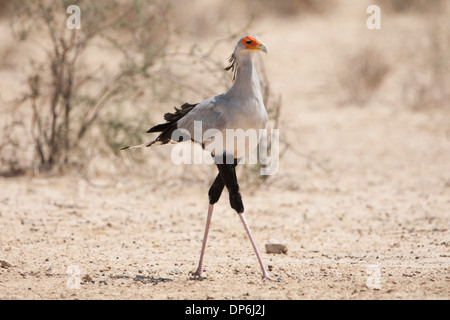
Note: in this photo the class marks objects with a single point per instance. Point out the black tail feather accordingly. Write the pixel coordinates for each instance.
(160, 127)
(172, 118)
(170, 126)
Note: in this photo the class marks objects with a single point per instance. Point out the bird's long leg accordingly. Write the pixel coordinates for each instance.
(214, 194)
(199, 270)
(249, 234)
(228, 173)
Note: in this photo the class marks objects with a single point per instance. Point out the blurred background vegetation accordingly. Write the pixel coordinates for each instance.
(85, 93)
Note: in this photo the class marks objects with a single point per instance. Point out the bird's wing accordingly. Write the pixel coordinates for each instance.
(209, 114)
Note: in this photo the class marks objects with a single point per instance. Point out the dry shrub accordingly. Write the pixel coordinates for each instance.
(6, 6)
(294, 7)
(66, 95)
(11, 157)
(427, 85)
(362, 73)
(408, 6)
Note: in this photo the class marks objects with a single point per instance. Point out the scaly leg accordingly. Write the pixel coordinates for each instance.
(249, 234)
(199, 270)
(214, 194)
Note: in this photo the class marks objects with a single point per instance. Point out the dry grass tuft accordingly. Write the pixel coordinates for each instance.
(70, 99)
(362, 73)
(427, 84)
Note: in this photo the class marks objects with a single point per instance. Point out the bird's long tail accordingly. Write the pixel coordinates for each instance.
(147, 144)
(167, 128)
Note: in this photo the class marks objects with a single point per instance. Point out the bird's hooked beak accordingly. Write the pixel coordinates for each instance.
(261, 46)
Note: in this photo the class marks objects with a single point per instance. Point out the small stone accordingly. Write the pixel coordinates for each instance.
(276, 247)
(87, 278)
(5, 264)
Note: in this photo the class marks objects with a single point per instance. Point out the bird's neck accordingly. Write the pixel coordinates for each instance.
(246, 83)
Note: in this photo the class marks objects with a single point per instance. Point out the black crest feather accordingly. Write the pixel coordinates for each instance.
(232, 65)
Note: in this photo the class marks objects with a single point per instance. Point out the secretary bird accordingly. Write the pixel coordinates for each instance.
(241, 107)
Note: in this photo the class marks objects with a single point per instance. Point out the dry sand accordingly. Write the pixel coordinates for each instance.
(362, 202)
(379, 228)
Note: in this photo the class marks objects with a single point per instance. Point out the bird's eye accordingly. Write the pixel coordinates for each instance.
(248, 41)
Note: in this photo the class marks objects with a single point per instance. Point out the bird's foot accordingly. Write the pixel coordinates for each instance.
(197, 275)
(266, 276)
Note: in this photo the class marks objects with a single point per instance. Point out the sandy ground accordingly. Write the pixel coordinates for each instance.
(378, 228)
(362, 202)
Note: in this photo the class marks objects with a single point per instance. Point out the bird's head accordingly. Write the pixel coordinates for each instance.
(249, 43)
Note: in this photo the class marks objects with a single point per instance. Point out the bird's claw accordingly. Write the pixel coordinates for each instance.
(267, 277)
(196, 276)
